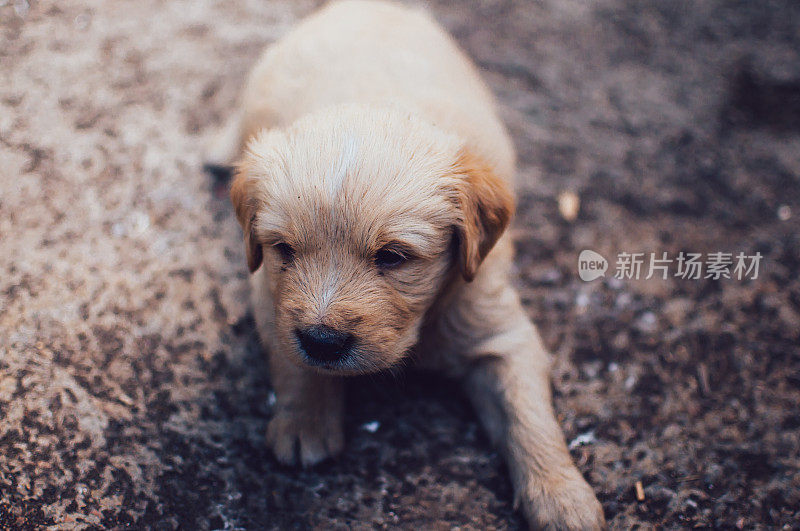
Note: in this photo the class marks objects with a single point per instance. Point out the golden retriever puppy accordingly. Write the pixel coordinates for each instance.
(374, 186)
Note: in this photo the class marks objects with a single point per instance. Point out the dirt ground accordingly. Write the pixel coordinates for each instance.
(132, 389)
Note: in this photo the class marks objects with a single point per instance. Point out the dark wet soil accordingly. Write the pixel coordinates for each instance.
(132, 389)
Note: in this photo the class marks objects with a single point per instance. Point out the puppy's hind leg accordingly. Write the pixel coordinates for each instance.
(225, 148)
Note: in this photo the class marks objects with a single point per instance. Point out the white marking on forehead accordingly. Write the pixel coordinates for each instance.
(327, 291)
(347, 156)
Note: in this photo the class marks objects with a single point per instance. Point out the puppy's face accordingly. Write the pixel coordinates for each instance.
(359, 216)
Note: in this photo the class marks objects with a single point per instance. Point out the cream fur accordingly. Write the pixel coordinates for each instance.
(366, 128)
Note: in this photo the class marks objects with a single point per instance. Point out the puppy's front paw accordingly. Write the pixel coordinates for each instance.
(294, 437)
(561, 505)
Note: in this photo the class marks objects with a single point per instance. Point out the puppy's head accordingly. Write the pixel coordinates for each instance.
(359, 217)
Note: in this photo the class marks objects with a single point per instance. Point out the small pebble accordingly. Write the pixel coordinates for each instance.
(140, 222)
(371, 427)
(21, 8)
(82, 21)
(551, 276)
(583, 439)
(647, 322)
(639, 491)
(623, 300)
(568, 205)
(592, 369)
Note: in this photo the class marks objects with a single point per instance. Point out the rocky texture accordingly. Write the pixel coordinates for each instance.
(132, 390)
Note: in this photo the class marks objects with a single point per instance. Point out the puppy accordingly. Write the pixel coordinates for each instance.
(373, 185)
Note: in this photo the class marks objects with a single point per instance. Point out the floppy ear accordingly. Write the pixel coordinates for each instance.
(486, 205)
(244, 195)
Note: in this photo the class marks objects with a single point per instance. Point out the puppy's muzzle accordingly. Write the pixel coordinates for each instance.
(324, 345)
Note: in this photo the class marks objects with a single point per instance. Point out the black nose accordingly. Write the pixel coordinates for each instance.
(323, 343)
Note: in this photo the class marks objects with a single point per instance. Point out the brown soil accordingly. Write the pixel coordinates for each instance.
(132, 389)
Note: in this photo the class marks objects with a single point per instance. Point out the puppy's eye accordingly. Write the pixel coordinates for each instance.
(389, 258)
(285, 251)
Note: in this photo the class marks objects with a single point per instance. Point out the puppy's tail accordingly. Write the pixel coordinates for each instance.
(221, 155)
